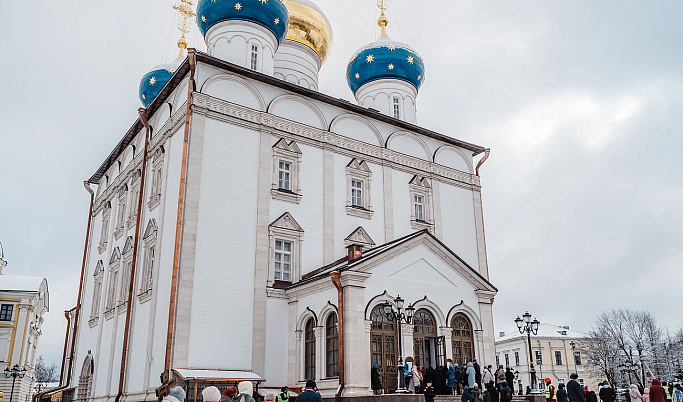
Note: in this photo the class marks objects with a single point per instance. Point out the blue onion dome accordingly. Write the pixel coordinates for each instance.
(152, 82)
(271, 14)
(385, 59)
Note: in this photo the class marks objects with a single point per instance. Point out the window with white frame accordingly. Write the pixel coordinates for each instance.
(283, 260)
(157, 177)
(104, 234)
(507, 360)
(286, 171)
(149, 263)
(558, 358)
(96, 293)
(113, 284)
(560, 381)
(134, 199)
(358, 201)
(122, 210)
(286, 238)
(516, 358)
(577, 357)
(397, 108)
(539, 357)
(421, 203)
(497, 360)
(254, 57)
(125, 284)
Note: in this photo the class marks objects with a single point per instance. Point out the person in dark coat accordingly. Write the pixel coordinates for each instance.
(477, 373)
(657, 392)
(608, 394)
(493, 392)
(487, 396)
(439, 381)
(466, 396)
(505, 393)
(510, 378)
(591, 397)
(429, 392)
(574, 391)
(458, 378)
(562, 394)
(309, 394)
(429, 374)
(375, 381)
(464, 376)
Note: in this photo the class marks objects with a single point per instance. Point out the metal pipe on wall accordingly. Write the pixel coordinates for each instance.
(340, 300)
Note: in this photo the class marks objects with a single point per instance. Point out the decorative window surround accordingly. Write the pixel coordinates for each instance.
(360, 237)
(290, 154)
(286, 228)
(106, 214)
(122, 296)
(358, 171)
(150, 262)
(420, 187)
(157, 178)
(134, 198)
(97, 294)
(112, 286)
(121, 212)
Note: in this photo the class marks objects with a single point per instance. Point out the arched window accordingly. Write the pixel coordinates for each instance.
(332, 346)
(383, 347)
(424, 338)
(462, 339)
(309, 350)
(85, 380)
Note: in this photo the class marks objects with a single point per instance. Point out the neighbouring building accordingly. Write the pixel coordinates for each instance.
(24, 301)
(255, 189)
(553, 354)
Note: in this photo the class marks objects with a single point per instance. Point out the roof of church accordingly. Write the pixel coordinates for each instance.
(344, 264)
(184, 69)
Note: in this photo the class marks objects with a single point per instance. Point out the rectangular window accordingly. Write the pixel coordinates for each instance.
(96, 294)
(285, 171)
(150, 270)
(283, 260)
(516, 358)
(577, 358)
(497, 360)
(6, 312)
(419, 208)
(397, 108)
(254, 57)
(539, 358)
(507, 360)
(357, 193)
(558, 358)
(560, 381)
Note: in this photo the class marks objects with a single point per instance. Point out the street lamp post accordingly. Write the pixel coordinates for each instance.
(399, 316)
(576, 371)
(14, 372)
(526, 325)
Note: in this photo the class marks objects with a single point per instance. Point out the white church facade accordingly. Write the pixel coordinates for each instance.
(256, 189)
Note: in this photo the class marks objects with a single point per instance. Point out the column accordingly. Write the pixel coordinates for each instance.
(486, 337)
(294, 342)
(448, 341)
(356, 344)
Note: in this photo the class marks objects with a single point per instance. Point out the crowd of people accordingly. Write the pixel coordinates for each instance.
(473, 383)
(245, 393)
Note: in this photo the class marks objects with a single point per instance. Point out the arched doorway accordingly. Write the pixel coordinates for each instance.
(85, 380)
(462, 339)
(383, 346)
(428, 348)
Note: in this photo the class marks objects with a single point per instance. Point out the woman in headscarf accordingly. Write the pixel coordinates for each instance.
(470, 375)
(635, 394)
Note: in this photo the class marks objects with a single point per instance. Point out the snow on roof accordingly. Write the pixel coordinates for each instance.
(218, 375)
(20, 283)
(545, 331)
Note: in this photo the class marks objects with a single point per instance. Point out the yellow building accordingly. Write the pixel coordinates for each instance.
(23, 303)
(557, 351)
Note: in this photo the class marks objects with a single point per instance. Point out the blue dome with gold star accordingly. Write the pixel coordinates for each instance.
(385, 59)
(270, 14)
(152, 82)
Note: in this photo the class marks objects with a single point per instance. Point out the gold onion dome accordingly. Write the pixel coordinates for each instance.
(308, 25)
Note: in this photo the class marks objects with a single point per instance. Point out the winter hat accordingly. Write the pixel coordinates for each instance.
(270, 397)
(245, 387)
(178, 393)
(375, 366)
(230, 392)
(211, 394)
(310, 384)
(284, 389)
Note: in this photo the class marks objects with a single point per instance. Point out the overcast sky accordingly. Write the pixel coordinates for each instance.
(580, 102)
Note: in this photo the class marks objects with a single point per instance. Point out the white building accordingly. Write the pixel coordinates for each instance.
(24, 300)
(554, 356)
(254, 193)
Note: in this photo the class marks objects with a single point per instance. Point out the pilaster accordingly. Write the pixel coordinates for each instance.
(328, 207)
(258, 348)
(436, 201)
(388, 204)
(479, 227)
(356, 343)
(294, 340)
(319, 352)
(181, 341)
(485, 337)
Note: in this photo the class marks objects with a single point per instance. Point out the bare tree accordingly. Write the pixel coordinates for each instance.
(603, 351)
(45, 373)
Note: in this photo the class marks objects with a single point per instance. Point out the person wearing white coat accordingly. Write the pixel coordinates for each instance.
(635, 393)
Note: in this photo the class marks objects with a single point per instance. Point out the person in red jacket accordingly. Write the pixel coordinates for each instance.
(657, 392)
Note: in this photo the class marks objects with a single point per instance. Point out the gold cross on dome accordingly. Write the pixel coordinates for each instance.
(186, 12)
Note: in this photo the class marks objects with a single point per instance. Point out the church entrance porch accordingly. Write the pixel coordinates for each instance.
(384, 347)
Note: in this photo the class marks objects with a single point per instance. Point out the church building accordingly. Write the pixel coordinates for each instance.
(246, 217)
